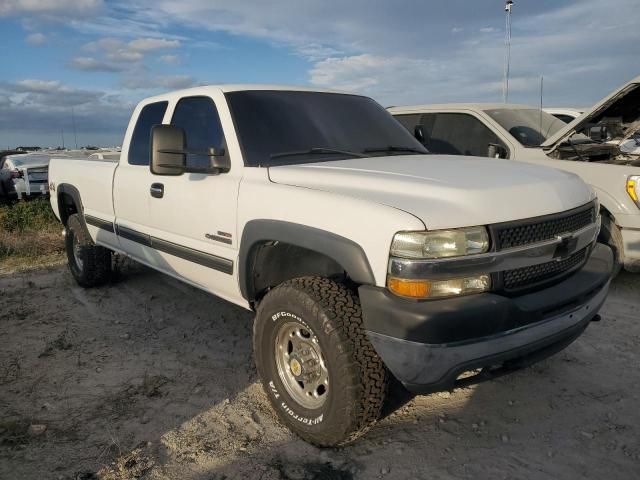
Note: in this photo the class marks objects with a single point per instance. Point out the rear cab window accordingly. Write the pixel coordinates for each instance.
(139, 147)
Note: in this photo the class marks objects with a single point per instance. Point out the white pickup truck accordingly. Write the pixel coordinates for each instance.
(360, 254)
(602, 146)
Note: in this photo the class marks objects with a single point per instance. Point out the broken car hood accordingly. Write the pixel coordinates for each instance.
(599, 109)
(445, 191)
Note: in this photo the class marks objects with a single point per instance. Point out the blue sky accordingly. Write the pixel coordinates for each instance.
(99, 57)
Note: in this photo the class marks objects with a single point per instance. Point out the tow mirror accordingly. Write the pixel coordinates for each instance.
(496, 151)
(418, 132)
(168, 155)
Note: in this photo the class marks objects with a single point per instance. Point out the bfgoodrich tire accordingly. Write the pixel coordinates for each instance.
(318, 368)
(89, 264)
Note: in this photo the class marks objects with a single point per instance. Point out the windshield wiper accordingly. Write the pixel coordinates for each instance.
(394, 148)
(316, 151)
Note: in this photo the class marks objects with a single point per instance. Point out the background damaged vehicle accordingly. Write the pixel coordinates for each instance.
(599, 145)
(24, 175)
(359, 254)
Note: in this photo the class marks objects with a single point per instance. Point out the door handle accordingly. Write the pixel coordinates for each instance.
(157, 190)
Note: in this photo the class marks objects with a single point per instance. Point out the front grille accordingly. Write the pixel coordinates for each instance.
(546, 228)
(530, 276)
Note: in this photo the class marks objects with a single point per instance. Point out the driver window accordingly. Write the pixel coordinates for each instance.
(199, 118)
(459, 134)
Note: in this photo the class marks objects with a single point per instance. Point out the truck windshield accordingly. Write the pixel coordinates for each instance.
(289, 127)
(529, 126)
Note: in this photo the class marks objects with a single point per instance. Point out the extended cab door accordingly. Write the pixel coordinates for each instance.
(131, 184)
(193, 215)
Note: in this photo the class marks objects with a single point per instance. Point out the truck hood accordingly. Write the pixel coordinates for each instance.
(624, 99)
(445, 191)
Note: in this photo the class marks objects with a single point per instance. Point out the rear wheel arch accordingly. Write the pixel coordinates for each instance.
(69, 203)
(301, 251)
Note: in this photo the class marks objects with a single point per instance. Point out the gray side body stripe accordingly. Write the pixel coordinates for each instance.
(220, 264)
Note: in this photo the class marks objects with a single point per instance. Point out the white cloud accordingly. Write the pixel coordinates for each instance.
(90, 64)
(169, 82)
(49, 7)
(114, 50)
(117, 51)
(315, 51)
(171, 59)
(465, 67)
(150, 44)
(36, 39)
(31, 85)
(35, 110)
(126, 56)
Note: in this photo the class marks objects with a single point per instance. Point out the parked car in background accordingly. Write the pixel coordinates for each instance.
(108, 156)
(567, 115)
(594, 146)
(630, 144)
(359, 253)
(24, 175)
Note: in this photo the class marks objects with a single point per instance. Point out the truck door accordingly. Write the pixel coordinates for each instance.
(131, 186)
(193, 214)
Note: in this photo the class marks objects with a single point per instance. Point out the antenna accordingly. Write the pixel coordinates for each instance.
(62, 133)
(541, 96)
(507, 59)
(73, 119)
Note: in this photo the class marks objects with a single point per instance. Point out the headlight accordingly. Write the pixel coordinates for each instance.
(432, 289)
(633, 188)
(440, 243)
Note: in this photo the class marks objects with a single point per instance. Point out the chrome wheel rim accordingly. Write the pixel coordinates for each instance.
(76, 252)
(301, 366)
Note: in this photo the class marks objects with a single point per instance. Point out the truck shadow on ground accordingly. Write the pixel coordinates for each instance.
(149, 378)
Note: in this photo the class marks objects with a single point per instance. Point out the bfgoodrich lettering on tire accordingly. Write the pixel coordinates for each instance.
(89, 264)
(317, 366)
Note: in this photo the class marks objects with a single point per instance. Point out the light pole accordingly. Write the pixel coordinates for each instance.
(507, 60)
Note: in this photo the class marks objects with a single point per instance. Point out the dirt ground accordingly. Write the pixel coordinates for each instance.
(148, 378)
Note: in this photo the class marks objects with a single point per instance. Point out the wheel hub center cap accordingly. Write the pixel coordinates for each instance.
(296, 367)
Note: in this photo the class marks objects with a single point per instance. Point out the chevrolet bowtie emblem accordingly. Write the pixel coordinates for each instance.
(566, 247)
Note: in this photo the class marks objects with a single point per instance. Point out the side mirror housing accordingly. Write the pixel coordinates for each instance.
(219, 160)
(598, 133)
(168, 155)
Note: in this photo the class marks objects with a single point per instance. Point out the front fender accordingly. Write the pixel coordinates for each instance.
(344, 251)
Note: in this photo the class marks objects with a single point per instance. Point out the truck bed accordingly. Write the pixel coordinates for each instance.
(92, 178)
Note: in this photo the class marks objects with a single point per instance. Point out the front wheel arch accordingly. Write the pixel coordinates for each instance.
(341, 251)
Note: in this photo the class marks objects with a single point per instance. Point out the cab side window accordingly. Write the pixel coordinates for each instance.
(140, 145)
(458, 134)
(199, 118)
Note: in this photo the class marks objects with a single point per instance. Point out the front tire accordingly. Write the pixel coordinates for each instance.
(318, 368)
(89, 263)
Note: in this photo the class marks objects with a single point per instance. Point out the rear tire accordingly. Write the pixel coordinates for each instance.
(610, 235)
(89, 263)
(312, 327)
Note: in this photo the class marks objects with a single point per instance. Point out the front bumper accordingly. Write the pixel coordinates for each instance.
(631, 241)
(427, 345)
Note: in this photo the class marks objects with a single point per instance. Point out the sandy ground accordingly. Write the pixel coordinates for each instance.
(148, 378)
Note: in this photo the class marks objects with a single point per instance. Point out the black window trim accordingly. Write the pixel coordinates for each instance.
(215, 105)
(166, 107)
(470, 113)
